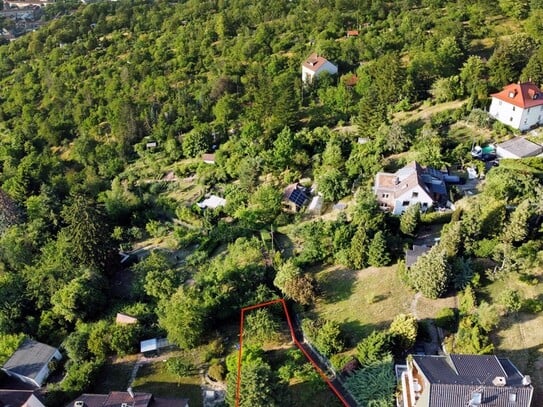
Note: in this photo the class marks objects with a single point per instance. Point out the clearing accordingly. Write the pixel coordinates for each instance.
(519, 335)
(362, 300)
(425, 111)
(365, 300)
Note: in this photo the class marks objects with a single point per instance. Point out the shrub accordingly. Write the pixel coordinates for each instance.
(217, 372)
(339, 360)
(511, 300)
(324, 335)
(373, 348)
(532, 305)
(179, 366)
(403, 331)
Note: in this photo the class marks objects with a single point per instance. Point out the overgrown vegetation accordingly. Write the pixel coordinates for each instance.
(105, 112)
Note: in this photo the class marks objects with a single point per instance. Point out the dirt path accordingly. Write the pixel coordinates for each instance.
(414, 304)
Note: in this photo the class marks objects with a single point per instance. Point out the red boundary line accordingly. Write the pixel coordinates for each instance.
(298, 345)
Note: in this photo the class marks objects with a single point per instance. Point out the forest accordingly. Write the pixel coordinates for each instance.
(107, 100)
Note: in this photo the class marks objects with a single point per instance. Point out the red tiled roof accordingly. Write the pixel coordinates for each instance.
(351, 80)
(125, 319)
(523, 95)
(352, 33)
(314, 62)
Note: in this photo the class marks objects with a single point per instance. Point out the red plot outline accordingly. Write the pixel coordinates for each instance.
(298, 345)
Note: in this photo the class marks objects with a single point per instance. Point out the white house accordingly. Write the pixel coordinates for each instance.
(518, 147)
(314, 65)
(30, 363)
(408, 186)
(519, 105)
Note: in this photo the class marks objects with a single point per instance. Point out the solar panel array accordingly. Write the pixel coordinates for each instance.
(298, 197)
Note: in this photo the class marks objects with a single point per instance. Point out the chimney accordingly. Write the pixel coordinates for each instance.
(499, 381)
(129, 391)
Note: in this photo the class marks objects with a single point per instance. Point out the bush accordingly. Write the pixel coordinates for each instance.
(179, 366)
(529, 279)
(324, 335)
(436, 218)
(217, 372)
(511, 300)
(373, 348)
(532, 305)
(403, 331)
(339, 360)
(484, 248)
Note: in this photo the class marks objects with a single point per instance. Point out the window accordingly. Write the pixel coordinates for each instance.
(405, 203)
(510, 119)
(425, 204)
(415, 195)
(513, 108)
(384, 196)
(500, 103)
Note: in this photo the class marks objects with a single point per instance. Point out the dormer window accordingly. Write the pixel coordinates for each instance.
(512, 94)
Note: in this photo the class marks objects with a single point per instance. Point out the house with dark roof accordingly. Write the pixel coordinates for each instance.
(30, 362)
(19, 398)
(464, 380)
(518, 147)
(408, 186)
(126, 399)
(315, 65)
(519, 105)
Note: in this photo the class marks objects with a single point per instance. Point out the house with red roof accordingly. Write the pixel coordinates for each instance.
(315, 65)
(519, 105)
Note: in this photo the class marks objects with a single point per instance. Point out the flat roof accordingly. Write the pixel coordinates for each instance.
(149, 345)
(521, 147)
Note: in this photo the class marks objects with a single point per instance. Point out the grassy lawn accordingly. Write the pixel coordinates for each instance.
(115, 374)
(425, 111)
(305, 393)
(519, 336)
(302, 392)
(154, 378)
(362, 301)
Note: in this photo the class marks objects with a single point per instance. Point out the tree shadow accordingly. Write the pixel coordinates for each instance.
(354, 331)
(338, 285)
(312, 393)
(283, 244)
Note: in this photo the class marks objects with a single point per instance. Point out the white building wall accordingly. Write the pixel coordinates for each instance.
(308, 75)
(33, 401)
(532, 116)
(328, 67)
(411, 197)
(506, 113)
(42, 375)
